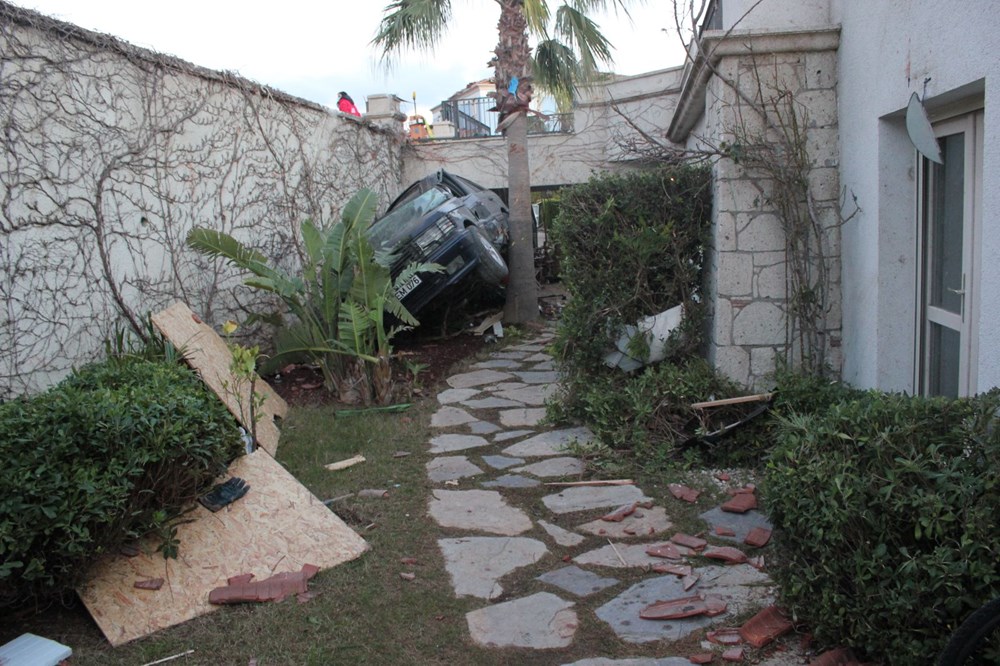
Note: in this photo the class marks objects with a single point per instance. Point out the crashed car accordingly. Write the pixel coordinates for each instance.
(448, 220)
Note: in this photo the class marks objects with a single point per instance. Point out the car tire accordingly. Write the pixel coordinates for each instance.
(491, 268)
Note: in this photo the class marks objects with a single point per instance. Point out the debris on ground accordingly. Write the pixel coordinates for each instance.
(32, 650)
(147, 584)
(242, 588)
(650, 335)
(688, 541)
(620, 513)
(408, 576)
(740, 503)
(727, 554)
(758, 537)
(725, 636)
(676, 609)
(344, 464)
(683, 493)
(223, 494)
(373, 492)
(765, 627)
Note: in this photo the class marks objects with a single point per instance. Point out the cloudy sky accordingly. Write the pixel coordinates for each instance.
(314, 49)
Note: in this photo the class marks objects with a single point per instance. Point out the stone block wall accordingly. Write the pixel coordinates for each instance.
(749, 269)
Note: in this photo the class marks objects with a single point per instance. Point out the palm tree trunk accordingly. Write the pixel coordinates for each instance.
(513, 61)
(522, 291)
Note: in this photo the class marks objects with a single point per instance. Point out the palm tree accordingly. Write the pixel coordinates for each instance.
(562, 59)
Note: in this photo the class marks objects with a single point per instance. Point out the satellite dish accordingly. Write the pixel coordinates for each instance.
(918, 127)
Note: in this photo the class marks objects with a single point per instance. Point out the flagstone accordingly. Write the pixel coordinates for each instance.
(448, 468)
(636, 661)
(528, 394)
(449, 396)
(512, 481)
(491, 403)
(739, 523)
(512, 418)
(644, 522)
(502, 462)
(476, 564)
(550, 443)
(449, 443)
(542, 621)
(512, 434)
(622, 612)
(512, 354)
(561, 536)
(577, 581)
(563, 466)
(610, 555)
(505, 386)
(540, 357)
(449, 417)
(543, 377)
(544, 366)
(483, 428)
(481, 510)
(477, 378)
(584, 498)
(529, 347)
(501, 363)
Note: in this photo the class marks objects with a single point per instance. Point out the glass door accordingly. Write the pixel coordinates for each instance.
(948, 202)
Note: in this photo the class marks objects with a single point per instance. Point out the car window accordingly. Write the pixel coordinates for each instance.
(396, 223)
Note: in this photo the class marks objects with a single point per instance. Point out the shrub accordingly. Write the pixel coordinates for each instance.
(886, 508)
(114, 451)
(630, 246)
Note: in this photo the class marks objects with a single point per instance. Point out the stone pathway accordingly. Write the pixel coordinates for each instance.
(492, 443)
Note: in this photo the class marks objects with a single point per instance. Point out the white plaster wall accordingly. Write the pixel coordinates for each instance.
(599, 141)
(888, 49)
(776, 14)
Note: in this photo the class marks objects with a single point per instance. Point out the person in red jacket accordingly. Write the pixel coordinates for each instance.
(346, 104)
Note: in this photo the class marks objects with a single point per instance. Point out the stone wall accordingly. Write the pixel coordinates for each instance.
(112, 154)
(750, 276)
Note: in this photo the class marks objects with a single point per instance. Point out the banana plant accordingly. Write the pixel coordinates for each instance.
(337, 305)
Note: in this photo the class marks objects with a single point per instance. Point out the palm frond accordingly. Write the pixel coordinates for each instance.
(556, 72)
(411, 24)
(583, 35)
(312, 240)
(591, 6)
(536, 12)
(220, 244)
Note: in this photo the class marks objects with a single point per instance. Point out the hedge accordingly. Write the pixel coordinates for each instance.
(112, 452)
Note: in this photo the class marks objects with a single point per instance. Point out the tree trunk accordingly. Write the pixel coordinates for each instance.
(513, 61)
(522, 291)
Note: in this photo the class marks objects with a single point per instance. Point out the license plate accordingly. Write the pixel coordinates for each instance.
(405, 288)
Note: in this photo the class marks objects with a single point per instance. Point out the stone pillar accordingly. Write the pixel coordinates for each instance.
(749, 272)
(385, 110)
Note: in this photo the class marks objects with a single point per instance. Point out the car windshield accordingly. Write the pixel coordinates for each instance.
(396, 223)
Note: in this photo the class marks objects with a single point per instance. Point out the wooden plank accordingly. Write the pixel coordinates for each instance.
(344, 464)
(732, 401)
(207, 353)
(277, 527)
(594, 482)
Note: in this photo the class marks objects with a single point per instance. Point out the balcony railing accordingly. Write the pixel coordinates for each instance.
(473, 118)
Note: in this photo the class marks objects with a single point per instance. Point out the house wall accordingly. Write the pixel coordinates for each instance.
(609, 122)
(112, 154)
(888, 50)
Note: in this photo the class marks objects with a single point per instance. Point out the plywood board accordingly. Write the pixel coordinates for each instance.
(208, 354)
(277, 527)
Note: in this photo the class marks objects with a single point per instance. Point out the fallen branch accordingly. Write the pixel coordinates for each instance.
(176, 656)
(732, 401)
(595, 482)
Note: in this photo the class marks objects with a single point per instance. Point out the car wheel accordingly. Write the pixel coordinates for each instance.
(491, 268)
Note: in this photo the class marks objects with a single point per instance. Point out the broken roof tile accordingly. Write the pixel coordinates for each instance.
(689, 541)
(726, 554)
(725, 636)
(683, 493)
(765, 626)
(758, 537)
(740, 503)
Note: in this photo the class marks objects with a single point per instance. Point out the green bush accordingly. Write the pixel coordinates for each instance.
(109, 454)
(886, 508)
(631, 246)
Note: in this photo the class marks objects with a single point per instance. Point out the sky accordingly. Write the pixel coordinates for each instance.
(314, 49)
